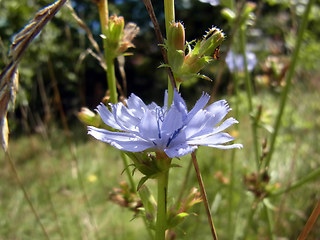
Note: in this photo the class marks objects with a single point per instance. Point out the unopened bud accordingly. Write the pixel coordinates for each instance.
(115, 29)
(228, 14)
(88, 117)
(211, 41)
(176, 36)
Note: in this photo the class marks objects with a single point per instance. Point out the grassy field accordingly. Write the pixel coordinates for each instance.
(69, 183)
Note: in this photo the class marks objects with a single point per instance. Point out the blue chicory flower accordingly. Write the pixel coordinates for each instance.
(175, 131)
(235, 62)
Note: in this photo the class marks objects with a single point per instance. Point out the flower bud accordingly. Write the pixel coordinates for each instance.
(114, 32)
(175, 45)
(89, 118)
(228, 14)
(176, 36)
(177, 215)
(187, 67)
(211, 41)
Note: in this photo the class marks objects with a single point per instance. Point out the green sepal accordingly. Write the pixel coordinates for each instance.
(173, 165)
(164, 65)
(177, 219)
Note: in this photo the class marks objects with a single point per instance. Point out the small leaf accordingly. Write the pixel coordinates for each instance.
(177, 219)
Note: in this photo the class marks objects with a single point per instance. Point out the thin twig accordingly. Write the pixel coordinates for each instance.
(26, 195)
(159, 36)
(204, 196)
(311, 221)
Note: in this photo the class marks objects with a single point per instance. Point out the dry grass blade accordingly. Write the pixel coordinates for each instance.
(9, 75)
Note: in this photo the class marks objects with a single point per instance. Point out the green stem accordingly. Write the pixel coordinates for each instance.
(103, 15)
(286, 89)
(269, 220)
(169, 13)
(230, 195)
(249, 220)
(129, 176)
(184, 184)
(232, 171)
(249, 95)
(161, 224)
(311, 176)
(169, 18)
(111, 77)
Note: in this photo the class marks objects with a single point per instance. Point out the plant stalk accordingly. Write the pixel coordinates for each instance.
(310, 223)
(290, 73)
(26, 195)
(169, 18)
(172, 83)
(161, 224)
(204, 196)
(308, 178)
(249, 96)
(129, 176)
(270, 223)
(111, 78)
